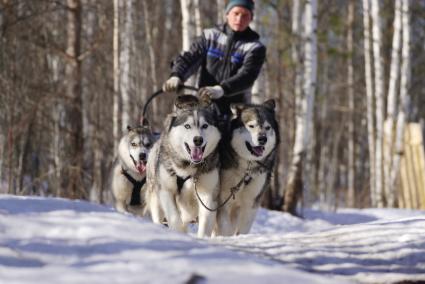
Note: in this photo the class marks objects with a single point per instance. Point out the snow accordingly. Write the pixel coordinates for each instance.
(52, 240)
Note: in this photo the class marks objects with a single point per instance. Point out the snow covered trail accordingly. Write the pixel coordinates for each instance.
(385, 251)
(51, 240)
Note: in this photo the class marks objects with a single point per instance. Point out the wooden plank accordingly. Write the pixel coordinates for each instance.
(402, 198)
(412, 173)
(418, 155)
(409, 171)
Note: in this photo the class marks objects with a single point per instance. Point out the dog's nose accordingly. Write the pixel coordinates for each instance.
(142, 156)
(262, 139)
(198, 140)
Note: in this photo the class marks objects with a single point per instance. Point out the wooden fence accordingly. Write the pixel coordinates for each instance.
(411, 189)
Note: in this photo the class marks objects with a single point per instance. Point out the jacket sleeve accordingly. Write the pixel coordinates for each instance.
(248, 73)
(188, 62)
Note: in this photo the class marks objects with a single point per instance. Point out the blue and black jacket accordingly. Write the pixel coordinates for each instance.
(230, 59)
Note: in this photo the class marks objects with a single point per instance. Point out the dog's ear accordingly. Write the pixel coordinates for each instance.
(236, 109)
(186, 102)
(270, 104)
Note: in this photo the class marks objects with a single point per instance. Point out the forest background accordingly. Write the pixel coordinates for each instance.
(347, 76)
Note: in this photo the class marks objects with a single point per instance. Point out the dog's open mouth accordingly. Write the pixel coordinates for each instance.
(196, 153)
(255, 150)
(141, 167)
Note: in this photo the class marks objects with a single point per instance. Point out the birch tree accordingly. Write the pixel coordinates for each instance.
(221, 7)
(369, 98)
(379, 100)
(148, 22)
(351, 106)
(392, 101)
(404, 100)
(125, 48)
(303, 119)
(259, 84)
(189, 27)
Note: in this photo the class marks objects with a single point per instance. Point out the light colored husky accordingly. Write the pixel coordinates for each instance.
(129, 171)
(183, 168)
(247, 157)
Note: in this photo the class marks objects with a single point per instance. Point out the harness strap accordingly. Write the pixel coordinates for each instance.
(246, 179)
(137, 188)
(180, 182)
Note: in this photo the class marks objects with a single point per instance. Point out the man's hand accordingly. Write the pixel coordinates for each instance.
(207, 94)
(172, 84)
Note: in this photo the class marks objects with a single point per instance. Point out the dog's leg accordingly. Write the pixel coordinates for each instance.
(224, 223)
(155, 208)
(168, 204)
(120, 206)
(207, 188)
(136, 210)
(246, 218)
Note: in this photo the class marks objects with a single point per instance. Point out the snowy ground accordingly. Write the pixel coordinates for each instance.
(49, 240)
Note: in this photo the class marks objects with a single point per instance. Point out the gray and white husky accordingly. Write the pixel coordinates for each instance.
(247, 157)
(183, 168)
(129, 171)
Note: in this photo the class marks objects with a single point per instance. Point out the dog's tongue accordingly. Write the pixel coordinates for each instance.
(196, 154)
(141, 167)
(258, 150)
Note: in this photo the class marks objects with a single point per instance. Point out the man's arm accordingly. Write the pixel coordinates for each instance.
(246, 76)
(188, 62)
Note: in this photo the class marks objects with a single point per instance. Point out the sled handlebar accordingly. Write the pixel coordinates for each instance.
(157, 93)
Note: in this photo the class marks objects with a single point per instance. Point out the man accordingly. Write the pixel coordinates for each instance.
(229, 57)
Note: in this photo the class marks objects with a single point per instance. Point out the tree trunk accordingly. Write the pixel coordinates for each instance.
(304, 119)
(221, 7)
(116, 71)
(258, 88)
(198, 20)
(73, 140)
(351, 107)
(188, 29)
(392, 103)
(151, 48)
(370, 99)
(404, 99)
(2, 157)
(125, 60)
(379, 99)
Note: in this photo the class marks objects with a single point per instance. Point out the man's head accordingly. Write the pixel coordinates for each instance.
(239, 14)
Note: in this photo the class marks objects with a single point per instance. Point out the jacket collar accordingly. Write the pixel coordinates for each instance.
(247, 34)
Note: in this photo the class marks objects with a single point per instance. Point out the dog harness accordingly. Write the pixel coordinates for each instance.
(137, 188)
(180, 182)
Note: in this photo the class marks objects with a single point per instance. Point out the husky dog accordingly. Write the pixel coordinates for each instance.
(247, 157)
(183, 168)
(129, 171)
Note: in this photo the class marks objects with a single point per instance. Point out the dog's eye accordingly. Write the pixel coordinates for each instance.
(268, 127)
(133, 144)
(251, 126)
(187, 126)
(205, 126)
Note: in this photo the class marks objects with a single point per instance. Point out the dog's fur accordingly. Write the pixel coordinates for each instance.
(183, 160)
(129, 171)
(248, 156)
